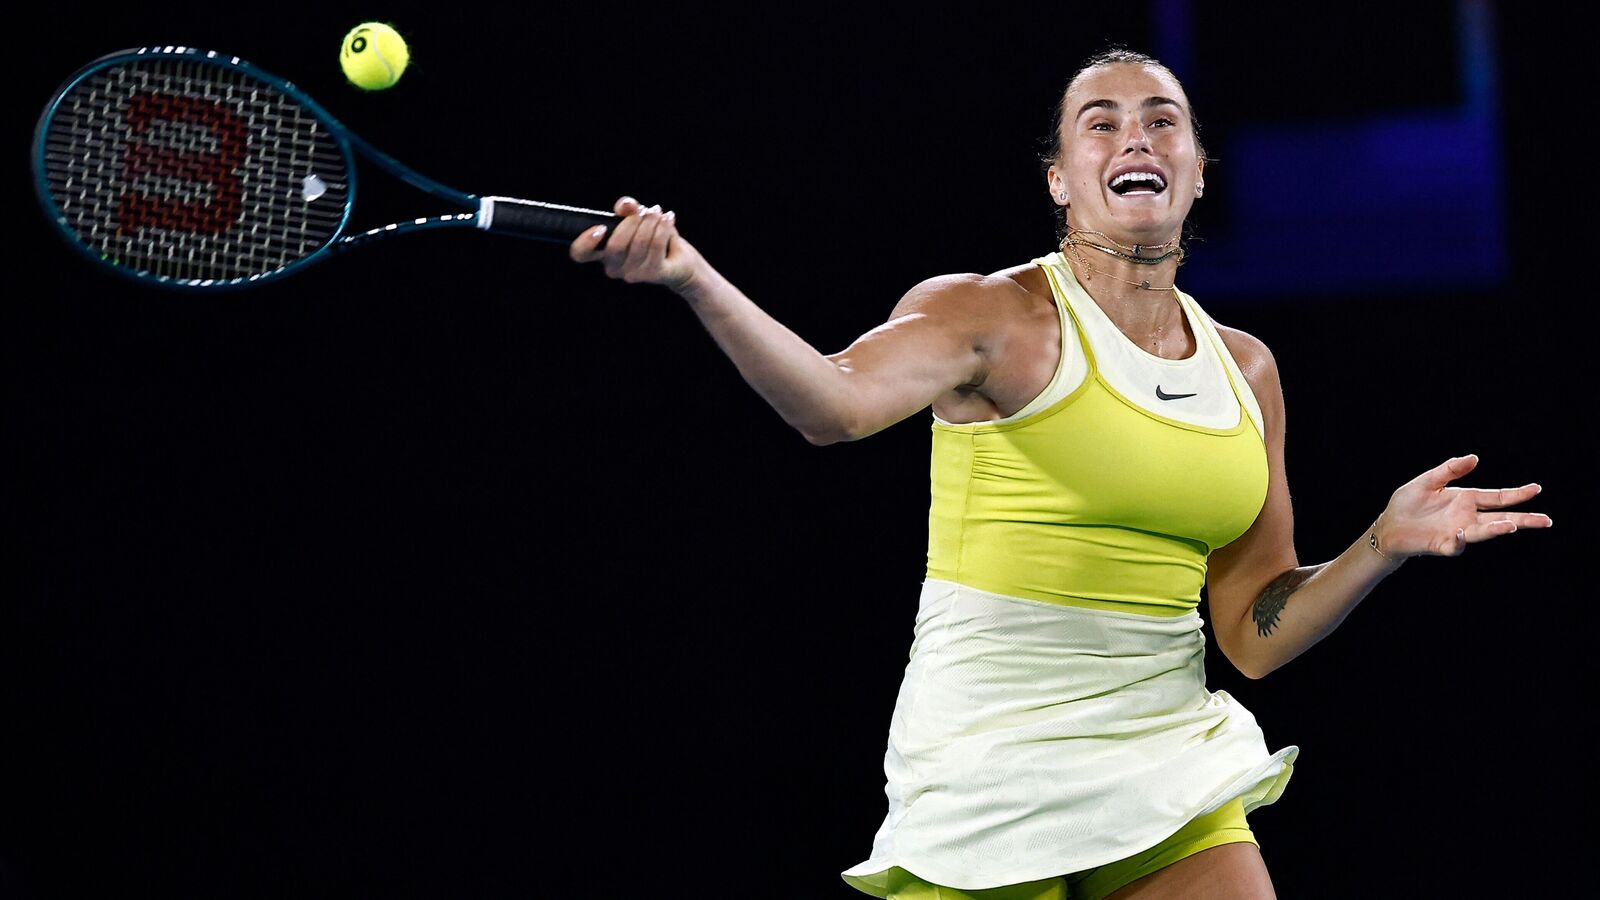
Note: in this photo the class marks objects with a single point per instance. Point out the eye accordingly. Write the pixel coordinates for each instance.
(1163, 119)
(1098, 124)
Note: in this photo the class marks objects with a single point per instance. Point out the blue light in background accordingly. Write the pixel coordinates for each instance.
(1391, 203)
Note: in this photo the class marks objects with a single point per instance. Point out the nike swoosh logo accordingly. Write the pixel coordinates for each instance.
(1162, 396)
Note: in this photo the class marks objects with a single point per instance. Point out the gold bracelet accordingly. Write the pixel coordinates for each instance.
(1372, 538)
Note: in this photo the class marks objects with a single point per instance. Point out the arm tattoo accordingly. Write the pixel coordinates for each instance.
(1272, 600)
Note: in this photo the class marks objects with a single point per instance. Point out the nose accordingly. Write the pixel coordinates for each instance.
(1137, 139)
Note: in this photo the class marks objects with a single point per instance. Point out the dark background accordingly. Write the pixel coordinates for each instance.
(452, 568)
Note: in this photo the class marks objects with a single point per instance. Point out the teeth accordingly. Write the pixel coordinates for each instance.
(1140, 176)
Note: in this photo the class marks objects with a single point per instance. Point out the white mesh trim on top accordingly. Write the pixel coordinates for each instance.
(1139, 375)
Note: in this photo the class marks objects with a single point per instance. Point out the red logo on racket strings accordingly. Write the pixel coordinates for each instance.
(201, 167)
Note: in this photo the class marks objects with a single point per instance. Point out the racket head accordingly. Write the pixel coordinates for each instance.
(192, 169)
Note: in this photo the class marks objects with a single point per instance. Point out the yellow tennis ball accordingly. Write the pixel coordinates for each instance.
(374, 56)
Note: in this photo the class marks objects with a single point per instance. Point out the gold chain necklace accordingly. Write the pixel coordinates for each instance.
(1144, 285)
(1133, 252)
(1072, 242)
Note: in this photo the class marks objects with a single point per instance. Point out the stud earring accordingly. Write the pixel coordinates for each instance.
(1199, 190)
(1062, 195)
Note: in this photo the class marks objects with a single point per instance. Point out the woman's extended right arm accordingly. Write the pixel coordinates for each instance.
(934, 341)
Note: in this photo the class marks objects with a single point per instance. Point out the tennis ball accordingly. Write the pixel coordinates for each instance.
(374, 56)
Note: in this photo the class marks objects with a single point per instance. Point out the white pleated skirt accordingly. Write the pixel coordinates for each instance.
(1031, 739)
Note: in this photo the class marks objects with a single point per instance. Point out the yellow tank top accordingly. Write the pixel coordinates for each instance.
(1114, 485)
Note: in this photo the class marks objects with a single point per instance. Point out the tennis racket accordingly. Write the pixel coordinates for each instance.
(193, 169)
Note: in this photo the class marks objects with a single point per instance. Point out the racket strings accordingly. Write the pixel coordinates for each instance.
(193, 171)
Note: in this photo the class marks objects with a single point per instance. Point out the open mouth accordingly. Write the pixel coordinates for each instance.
(1130, 184)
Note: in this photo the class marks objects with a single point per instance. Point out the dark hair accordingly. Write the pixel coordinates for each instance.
(1113, 54)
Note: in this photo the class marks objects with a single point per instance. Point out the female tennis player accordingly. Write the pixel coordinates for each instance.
(1101, 448)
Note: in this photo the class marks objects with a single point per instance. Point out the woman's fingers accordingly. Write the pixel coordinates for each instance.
(1428, 516)
(656, 252)
(620, 246)
(586, 246)
(626, 206)
(635, 266)
(639, 246)
(1514, 521)
(1494, 524)
(629, 212)
(1505, 523)
(1449, 470)
(1494, 498)
(1488, 526)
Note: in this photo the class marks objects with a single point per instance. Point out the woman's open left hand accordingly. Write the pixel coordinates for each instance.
(1427, 517)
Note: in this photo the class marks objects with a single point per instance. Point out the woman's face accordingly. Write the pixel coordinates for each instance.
(1118, 118)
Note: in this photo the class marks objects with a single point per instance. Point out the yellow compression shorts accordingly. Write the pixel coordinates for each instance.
(1224, 826)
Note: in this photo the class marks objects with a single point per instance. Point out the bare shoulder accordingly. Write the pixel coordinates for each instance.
(970, 285)
(982, 305)
(1250, 352)
(1027, 276)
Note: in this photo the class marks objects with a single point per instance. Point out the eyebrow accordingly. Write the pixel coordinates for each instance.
(1112, 104)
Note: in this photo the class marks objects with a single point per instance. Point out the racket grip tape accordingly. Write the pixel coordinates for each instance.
(540, 221)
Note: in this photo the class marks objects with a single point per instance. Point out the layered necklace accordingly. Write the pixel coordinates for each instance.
(1131, 254)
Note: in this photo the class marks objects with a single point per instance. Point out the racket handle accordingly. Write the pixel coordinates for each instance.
(541, 221)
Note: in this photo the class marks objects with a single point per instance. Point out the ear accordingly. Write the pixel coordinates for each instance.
(1200, 172)
(1057, 184)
